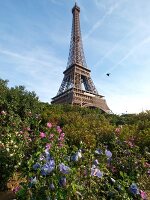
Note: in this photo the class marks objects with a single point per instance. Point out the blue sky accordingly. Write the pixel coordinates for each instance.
(34, 47)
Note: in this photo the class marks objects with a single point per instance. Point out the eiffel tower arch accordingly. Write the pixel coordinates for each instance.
(77, 87)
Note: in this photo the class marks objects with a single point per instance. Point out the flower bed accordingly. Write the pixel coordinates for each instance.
(52, 167)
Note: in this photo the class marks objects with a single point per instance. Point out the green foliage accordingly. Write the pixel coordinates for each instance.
(18, 100)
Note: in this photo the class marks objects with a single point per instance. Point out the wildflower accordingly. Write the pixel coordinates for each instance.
(64, 169)
(59, 129)
(62, 181)
(48, 167)
(52, 187)
(33, 180)
(134, 189)
(48, 156)
(143, 194)
(112, 180)
(36, 166)
(3, 112)
(76, 156)
(108, 153)
(16, 189)
(42, 135)
(42, 157)
(49, 125)
(61, 138)
(48, 146)
(51, 136)
(79, 154)
(62, 135)
(96, 172)
(98, 151)
(147, 165)
(96, 162)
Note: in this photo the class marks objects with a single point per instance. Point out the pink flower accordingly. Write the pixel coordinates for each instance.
(62, 135)
(143, 194)
(61, 138)
(59, 129)
(147, 165)
(51, 135)
(42, 135)
(49, 125)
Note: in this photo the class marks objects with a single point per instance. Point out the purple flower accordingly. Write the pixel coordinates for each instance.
(48, 167)
(16, 189)
(96, 162)
(96, 172)
(62, 181)
(108, 153)
(36, 166)
(98, 151)
(48, 146)
(64, 169)
(76, 156)
(47, 154)
(134, 189)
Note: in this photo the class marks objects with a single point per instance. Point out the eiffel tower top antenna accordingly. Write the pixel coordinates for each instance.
(76, 53)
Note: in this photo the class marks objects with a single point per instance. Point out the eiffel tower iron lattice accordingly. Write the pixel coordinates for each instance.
(77, 87)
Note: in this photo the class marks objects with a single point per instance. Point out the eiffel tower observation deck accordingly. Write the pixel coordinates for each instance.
(77, 87)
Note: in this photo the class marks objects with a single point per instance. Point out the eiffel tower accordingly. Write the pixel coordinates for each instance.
(77, 87)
